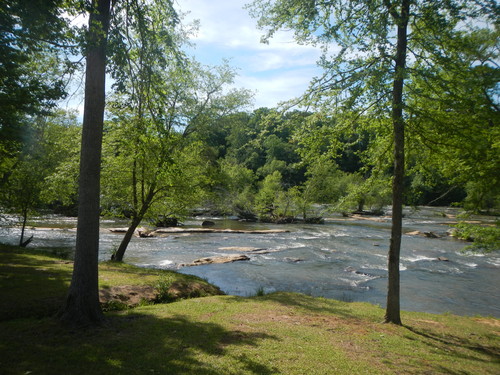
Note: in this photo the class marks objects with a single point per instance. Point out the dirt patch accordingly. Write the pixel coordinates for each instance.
(130, 295)
(181, 289)
(491, 322)
(133, 295)
(326, 322)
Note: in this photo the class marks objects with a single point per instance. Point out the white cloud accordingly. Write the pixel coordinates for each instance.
(278, 71)
(278, 87)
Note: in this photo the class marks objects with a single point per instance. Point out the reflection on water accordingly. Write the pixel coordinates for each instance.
(342, 259)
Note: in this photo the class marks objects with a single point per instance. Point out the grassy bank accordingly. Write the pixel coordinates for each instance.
(281, 333)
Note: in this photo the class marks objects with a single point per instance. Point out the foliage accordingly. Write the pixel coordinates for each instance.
(155, 163)
(484, 238)
(371, 49)
(235, 190)
(36, 44)
(458, 139)
(49, 142)
(163, 287)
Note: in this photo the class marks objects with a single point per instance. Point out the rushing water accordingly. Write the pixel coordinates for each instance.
(343, 259)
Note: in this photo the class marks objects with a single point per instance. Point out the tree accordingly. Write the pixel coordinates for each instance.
(368, 71)
(82, 306)
(35, 41)
(163, 99)
(47, 144)
(455, 127)
(237, 188)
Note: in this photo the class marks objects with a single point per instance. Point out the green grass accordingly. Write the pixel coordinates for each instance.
(279, 333)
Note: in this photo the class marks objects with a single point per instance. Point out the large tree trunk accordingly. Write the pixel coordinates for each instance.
(82, 306)
(392, 314)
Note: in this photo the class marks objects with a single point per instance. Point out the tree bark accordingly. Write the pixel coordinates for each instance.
(136, 220)
(118, 256)
(82, 306)
(392, 314)
(23, 228)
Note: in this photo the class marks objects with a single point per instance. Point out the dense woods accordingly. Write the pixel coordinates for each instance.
(410, 100)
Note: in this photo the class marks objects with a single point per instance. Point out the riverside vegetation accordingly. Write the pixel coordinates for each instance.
(279, 333)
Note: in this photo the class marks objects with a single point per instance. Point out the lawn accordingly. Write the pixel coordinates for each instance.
(279, 333)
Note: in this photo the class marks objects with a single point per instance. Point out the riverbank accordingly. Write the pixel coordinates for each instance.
(343, 259)
(279, 333)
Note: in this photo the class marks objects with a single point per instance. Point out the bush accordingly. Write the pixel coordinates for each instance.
(484, 238)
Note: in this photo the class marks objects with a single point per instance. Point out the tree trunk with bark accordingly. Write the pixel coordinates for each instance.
(136, 220)
(120, 252)
(82, 306)
(392, 314)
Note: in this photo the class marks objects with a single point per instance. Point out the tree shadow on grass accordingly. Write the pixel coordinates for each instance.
(31, 287)
(454, 346)
(311, 304)
(135, 343)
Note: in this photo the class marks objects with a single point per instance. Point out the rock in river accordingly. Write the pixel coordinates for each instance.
(217, 260)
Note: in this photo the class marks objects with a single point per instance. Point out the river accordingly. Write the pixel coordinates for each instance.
(345, 259)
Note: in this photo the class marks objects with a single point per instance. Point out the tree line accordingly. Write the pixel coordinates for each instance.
(406, 113)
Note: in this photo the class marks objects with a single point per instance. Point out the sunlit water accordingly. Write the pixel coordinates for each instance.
(344, 259)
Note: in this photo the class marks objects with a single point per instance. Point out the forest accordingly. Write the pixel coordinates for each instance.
(407, 110)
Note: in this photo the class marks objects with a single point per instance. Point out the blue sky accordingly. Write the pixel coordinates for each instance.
(276, 72)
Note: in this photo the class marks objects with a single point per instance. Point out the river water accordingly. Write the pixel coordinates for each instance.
(344, 258)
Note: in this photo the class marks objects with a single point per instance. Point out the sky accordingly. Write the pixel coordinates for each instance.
(275, 72)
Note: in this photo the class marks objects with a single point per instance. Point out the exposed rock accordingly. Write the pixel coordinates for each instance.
(452, 232)
(431, 235)
(166, 221)
(217, 260)
(213, 230)
(241, 248)
(264, 251)
(118, 230)
(357, 272)
(144, 232)
(314, 220)
(369, 213)
(443, 259)
(208, 223)
(425, 234)
(292, 260)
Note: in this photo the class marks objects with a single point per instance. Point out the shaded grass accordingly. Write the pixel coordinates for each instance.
(34, 283)
(280, 333)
